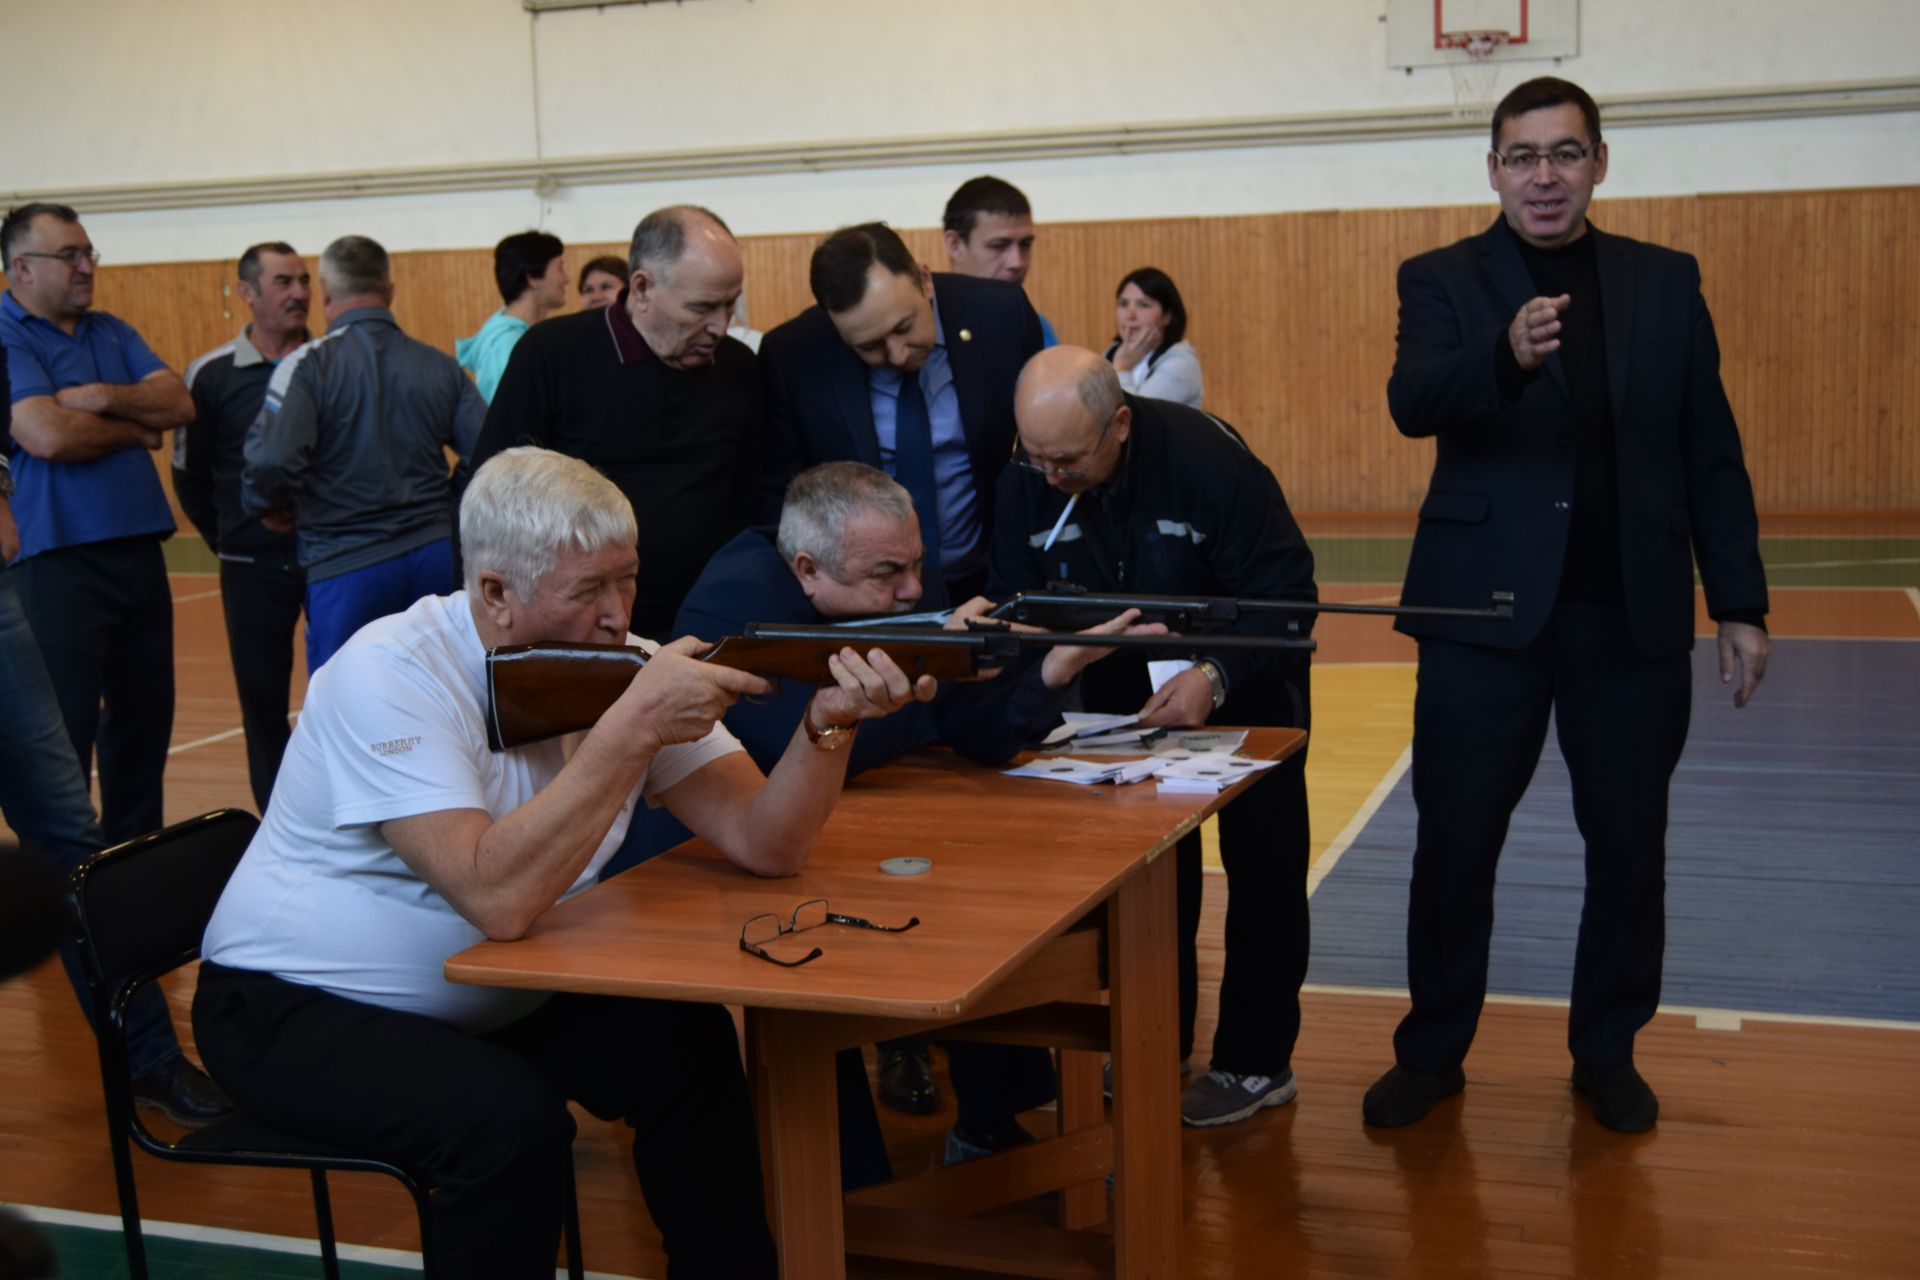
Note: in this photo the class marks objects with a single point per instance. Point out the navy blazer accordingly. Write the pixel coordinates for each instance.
(819, 408)
(1497, 511)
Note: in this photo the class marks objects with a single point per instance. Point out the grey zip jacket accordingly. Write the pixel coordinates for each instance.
(352, 437)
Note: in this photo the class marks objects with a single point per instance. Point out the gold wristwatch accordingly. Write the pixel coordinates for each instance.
(835, 737)
(1216, 680)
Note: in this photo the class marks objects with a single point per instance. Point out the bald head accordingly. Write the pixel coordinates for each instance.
(1073, 417)
(685, 274)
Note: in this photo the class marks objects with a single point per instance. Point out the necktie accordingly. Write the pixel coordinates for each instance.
(913, 465)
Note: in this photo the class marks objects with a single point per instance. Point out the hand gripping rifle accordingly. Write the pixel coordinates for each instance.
(537, 691)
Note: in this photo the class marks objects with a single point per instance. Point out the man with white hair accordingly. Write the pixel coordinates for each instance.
(653, 392)
(352, 441)
(396, 839)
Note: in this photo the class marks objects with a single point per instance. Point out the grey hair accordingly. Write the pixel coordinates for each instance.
(353, 265)
(661, 237)
(823, 499)
(527, 503)
(1101, 393)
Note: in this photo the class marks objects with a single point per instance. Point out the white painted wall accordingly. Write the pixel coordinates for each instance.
(195, 90)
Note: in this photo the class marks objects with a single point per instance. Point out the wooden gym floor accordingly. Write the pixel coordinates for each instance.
(1789, 1141)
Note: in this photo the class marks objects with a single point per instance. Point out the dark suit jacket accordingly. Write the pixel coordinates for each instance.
(1497, 510)
(818, 408)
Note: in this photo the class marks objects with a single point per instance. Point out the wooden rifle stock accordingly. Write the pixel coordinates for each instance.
(537, 691)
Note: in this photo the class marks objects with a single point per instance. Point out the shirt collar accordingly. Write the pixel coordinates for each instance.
(362, 315)
(246, 355)
(628, 345)
(12, 307)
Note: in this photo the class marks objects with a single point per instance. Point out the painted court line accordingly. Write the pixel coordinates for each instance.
(198, 595)
(1358, 823)
(205, 742)
(1844, 564)
(1913, 597)
(1707, 1019)
(362, 1253)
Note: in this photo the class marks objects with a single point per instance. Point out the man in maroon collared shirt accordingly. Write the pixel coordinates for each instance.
(653, 393)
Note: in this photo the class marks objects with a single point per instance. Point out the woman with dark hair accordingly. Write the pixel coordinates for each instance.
(601, 282)
(1149, 350)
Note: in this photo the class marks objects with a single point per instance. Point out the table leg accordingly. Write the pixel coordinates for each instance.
(1146, 1088)
(1081, 1107)
(799, 1116)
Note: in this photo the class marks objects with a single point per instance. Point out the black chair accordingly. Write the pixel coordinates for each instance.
(143, 906)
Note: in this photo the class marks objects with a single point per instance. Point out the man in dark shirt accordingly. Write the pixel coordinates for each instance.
(1121, 493)
(262, 585)
(1586, 459)
(653, 393)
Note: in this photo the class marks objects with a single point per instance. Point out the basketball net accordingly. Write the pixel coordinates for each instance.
(1475, 70)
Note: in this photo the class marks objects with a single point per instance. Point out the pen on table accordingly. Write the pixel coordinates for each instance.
(1061, 523)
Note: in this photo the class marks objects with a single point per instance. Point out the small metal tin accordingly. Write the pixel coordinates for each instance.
(907, 866)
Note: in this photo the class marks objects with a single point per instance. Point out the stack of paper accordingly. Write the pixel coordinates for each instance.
(1208, 772)
(1203, 772)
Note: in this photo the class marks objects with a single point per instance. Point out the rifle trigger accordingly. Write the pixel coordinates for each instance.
(765, 699)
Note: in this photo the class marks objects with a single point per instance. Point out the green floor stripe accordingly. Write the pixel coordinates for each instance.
(100, 1255)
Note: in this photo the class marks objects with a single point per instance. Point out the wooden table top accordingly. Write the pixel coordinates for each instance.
(1016, 861)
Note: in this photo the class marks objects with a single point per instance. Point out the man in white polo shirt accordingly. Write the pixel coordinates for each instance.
(395, 838)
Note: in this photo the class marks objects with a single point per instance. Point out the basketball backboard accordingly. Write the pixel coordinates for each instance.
(1431, 33)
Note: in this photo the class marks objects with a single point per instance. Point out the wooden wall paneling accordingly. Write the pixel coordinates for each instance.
(1294, 315)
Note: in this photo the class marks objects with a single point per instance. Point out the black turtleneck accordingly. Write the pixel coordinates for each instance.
(1592, 569)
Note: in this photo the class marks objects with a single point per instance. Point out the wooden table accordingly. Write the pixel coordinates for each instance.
(1017, 864)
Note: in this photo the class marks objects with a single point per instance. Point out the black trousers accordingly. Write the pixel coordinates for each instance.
(1479, 722)
(1265, 845)
(485, 1120)
(103, 617)
(262, 599)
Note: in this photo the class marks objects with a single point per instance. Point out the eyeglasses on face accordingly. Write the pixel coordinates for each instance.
(1069, 468)
(1526, 159)
(762, 929)
(72, 255)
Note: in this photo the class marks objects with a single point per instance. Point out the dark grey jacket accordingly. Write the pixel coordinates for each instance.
(352, 437)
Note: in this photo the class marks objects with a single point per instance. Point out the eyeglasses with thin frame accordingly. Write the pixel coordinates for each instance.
(1527, 160)
(766, 927)
(72, 255)
(1071, 469)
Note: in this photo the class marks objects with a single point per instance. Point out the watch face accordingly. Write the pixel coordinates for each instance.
(835, 738)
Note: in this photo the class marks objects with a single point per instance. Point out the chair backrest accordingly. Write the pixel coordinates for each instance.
(144, 904)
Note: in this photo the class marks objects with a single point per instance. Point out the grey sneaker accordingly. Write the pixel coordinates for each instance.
(1106, 1076)
(1221, 1097)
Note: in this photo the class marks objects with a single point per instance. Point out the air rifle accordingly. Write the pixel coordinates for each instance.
(537, 691)
(1065, 606)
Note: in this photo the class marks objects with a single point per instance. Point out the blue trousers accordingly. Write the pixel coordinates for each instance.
(342, 604)
(44, 797)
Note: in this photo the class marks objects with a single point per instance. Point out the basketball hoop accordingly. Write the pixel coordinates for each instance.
(1474, 67)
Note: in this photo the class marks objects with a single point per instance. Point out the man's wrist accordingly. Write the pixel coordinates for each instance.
(828, 737)
(1216, 680)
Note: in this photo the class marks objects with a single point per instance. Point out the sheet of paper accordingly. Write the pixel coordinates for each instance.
(1074, 724)
(1065, 769)
(1165, 669)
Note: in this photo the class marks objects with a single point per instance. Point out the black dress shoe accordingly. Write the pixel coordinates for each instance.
(183, 1093)
(1404, 1095)
(1621, 1100)
(906, 1081)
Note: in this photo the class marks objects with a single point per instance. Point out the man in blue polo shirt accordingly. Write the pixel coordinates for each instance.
(90, 401)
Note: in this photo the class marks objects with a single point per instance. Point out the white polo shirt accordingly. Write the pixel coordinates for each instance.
(393, 727)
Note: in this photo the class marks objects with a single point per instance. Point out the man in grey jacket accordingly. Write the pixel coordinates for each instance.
(349, 451)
